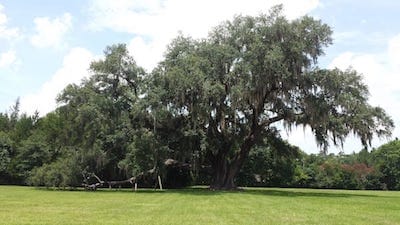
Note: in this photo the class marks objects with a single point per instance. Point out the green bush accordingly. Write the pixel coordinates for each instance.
(64, 172)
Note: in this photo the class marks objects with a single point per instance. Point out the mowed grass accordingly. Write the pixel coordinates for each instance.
(27, 205)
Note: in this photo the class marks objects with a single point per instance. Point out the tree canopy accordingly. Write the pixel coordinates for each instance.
(252, 72)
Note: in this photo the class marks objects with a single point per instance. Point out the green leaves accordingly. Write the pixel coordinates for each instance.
(387, 160)
(118, 73)
(5, 150)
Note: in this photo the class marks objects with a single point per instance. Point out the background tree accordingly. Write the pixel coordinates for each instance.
(387, 161)
(5, 156)
(99, 114)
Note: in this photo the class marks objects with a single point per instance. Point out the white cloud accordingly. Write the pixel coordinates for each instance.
(154, 23)
(7, 58)
(74, 69)
(5, 31)
(146, 54)
(50, 33)
(394, 52)
(3, 17)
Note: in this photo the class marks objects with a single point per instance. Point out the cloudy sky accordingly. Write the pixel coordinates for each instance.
(46, 44)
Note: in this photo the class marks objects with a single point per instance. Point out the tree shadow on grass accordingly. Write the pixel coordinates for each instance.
(203, 191)
(282, 192)
(306, 193)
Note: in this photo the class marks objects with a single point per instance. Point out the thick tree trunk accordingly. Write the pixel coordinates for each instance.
(221, 170)
(225, 170)
(227, 180)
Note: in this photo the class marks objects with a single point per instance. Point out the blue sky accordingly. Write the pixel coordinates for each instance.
(46, 44)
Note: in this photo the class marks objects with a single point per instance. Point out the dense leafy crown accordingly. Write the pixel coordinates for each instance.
(254, 71)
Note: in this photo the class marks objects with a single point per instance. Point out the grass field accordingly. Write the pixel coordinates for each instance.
(26, 205)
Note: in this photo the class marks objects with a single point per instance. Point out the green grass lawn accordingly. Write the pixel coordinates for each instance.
(26, 205)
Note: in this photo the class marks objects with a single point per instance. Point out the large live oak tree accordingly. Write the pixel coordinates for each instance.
(253, 73)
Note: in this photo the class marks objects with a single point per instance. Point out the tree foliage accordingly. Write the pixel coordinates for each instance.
(252, 72)
(387, 161)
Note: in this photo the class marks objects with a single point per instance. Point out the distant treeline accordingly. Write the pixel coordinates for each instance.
(378, 169)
